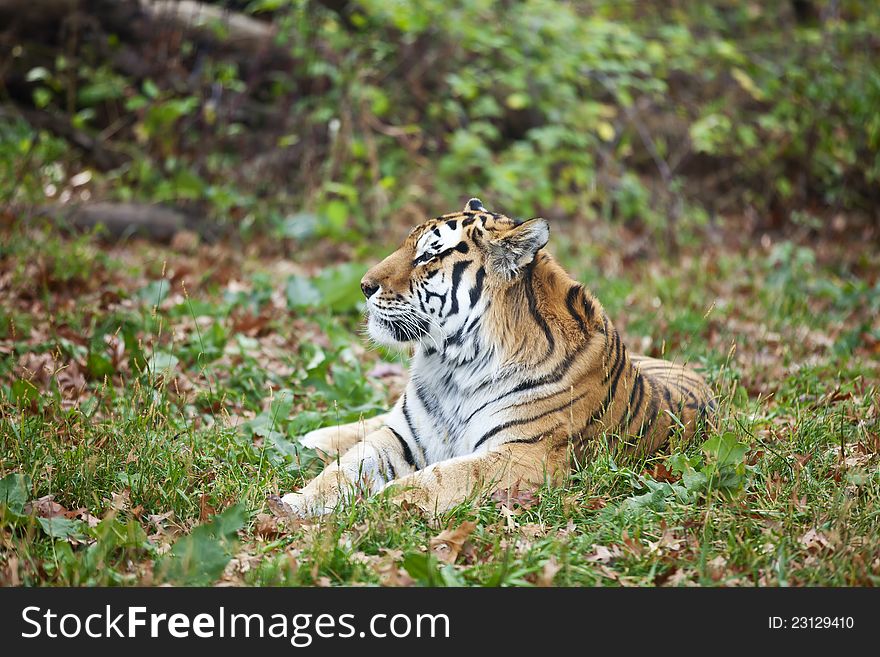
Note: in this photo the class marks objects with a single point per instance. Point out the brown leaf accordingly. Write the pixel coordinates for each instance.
(446, 545)
(815, 540)
(596, 503)
(389, 570)
(632, 544)
(249, 324)
(515, 497)
(548, 572)
(717, 567)
(45, 507)
(602, 554)
(660, 473)
(121, 501)
(85, 516)
(679, 578)
(533, 530)
(205, 509)
(10, 577)
(266, 525)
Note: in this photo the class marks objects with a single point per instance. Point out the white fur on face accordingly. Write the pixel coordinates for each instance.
(439, 238)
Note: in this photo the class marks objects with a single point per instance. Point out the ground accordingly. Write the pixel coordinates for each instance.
(151, 399)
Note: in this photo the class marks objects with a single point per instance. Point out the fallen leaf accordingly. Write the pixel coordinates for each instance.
(205, 509)
(815, 540)
(717, 567)
(510, 523)
(45, 507)
(533, 530)
(660, 473)
(447, 545)
(266, 525)
(11, 577)
(602, 554)
(120, 501)
(548, 572)
(515, 497)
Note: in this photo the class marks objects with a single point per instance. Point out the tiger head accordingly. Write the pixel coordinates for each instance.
(437, 285)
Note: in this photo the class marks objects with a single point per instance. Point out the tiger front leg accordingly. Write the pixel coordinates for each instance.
(368, 465)
(441, 486)
(332, 441)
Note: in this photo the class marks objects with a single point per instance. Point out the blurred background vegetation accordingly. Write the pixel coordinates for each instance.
(327, 118)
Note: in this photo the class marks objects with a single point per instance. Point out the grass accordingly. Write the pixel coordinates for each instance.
(150, 400)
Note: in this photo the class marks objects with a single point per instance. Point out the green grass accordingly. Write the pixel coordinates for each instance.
(156, 396)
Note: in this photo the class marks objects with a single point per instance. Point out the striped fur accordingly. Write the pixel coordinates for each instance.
(516, 369)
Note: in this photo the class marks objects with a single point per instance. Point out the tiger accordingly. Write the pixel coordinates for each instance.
(516, 369)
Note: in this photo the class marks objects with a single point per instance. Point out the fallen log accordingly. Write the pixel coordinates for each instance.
(158, 223)
(238, 30)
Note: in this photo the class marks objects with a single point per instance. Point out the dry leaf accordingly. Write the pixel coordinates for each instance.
(515, 497)
(45, 507)
(815, 540)
(602, 554)
(660, 473)
(11, 577)
(447, 545)
(266, 525)
(717, 567)
(205, 509)
(120, 501)
(548, 572)
(510, 523)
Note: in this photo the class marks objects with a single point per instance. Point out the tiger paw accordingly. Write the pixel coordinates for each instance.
(329, 441)
(300, 505)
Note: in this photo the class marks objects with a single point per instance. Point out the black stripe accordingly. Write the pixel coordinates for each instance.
(457, 270)
(387, 465)
(533, 307)
(407, 453)
(477, 289)
(623, 361)
(633, 410)
(531, 440)
(589, 311)
(409, 424)
(650, 413)
(616, 346)
(569, 303)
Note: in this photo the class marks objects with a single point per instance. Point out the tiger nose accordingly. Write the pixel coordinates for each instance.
(369, 288)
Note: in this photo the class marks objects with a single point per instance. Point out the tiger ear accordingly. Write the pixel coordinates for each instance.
(515, 249)
(474, 205)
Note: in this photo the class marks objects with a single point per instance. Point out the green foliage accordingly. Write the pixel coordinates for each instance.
(199, 558)
(723, 469)
(426, 570)
(14, 489)
(336, 288)
(596, 110)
